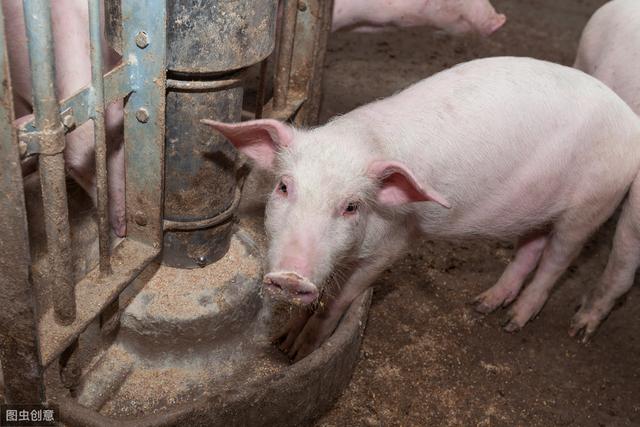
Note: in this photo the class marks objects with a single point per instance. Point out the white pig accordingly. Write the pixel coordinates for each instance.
(498, 147)
(452, 16)
(70, 22)
(610, 51)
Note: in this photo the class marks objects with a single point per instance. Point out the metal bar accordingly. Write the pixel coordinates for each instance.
(262, 87)
(144, 42)
(99, 135)
(200, 85)
(19, 349)
(285, 54)
(143, 78)
(316, 18)
(116, 86)
(207, 222)
(37, 15)
(95, 292)
(70, 369)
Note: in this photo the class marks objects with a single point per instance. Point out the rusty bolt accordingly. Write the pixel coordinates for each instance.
(302, 6)
(142, 115)
(142, 40)
(69, 121)
(140, 218)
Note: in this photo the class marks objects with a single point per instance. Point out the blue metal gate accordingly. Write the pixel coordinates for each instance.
(32, 339)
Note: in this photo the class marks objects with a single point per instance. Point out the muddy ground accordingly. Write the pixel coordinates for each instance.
(427, 357)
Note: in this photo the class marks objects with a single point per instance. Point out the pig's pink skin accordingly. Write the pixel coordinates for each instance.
(608, 50)
(73, 72)
(452, 16)
(518, 148)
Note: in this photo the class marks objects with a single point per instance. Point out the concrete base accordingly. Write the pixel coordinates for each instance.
(193, 348)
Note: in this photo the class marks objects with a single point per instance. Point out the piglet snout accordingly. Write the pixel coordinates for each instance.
(291, 287)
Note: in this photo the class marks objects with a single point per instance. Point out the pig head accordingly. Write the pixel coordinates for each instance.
(326, 212)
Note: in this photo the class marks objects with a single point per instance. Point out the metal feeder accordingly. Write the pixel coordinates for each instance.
(168, 327)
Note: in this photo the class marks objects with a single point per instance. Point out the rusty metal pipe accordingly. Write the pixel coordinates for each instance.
(19, 344)
(97, 83)
(50, 133)
(285, 54)
(262, 88)
(205, 81)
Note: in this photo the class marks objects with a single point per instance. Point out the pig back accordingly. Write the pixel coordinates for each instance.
(510, 142)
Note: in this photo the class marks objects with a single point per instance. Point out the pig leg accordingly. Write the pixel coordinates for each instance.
(567, 238)
(619, 273)
(324, 320)
(295, 325)
(509, 285)
(79, 158)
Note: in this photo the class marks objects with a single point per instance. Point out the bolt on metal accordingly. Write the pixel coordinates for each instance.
(68, 121)
(22, 146)
(142, 40)
(142, 115)
(140, 218)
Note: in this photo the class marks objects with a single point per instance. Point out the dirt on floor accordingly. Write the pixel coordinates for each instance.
(427, 357)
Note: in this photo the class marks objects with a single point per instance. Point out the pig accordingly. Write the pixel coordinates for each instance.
(70, 22)
(608, 50)
(501, 148)
(452, 16)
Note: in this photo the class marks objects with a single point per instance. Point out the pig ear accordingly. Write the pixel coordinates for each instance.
(398, 185)
(495, 24)
(258, 139)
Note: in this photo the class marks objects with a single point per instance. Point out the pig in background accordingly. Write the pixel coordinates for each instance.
(610, 51)
(452, 16)
(502, 148)
(70, 22)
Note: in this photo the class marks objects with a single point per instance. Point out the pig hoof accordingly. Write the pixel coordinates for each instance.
(483, 307)
(510, 325)
(482, 304)
(492, 299)
(305, 344)
(286, 339)
(584, 325)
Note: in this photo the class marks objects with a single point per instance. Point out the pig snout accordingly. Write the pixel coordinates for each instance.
(291, 287)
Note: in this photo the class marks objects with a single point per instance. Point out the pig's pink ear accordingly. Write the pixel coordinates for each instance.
(258, 139)
(495, 24)
(398, 185)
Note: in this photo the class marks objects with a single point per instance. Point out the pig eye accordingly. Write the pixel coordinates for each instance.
(282, 187)
(351, 208)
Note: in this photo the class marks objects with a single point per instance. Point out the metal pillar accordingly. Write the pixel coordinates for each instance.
(37, 327)
(50, 135)
(19, 347)
(299, 61)
(201, 171)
